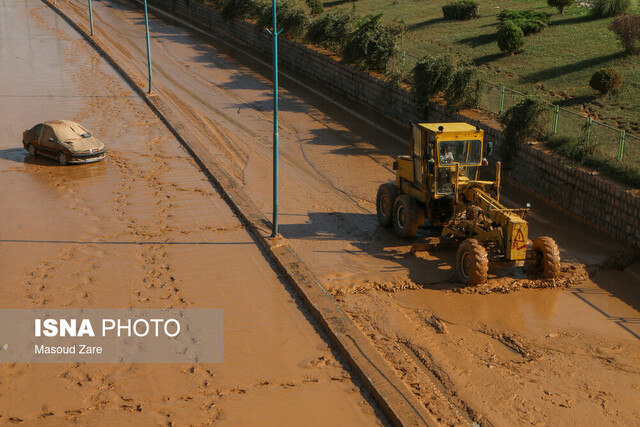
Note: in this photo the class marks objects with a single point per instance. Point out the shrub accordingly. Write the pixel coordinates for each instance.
(432, 75)
(292, 18)
(607, 8)
(458, 83)
(372, 44)
(582, 150)
(626, 171)
(315, 6)
(462, 10)
(330, 30)
(463, 92)
(560, 4)
(510, 38)
(528, 21)
(606, 80)
(523, 122)
(243, 9)
(627, 30)
(397, 73)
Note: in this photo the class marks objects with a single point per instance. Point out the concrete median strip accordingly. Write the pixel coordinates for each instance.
(397, 401)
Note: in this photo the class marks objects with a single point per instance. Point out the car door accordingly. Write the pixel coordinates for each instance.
(34, 135)
(47, 146)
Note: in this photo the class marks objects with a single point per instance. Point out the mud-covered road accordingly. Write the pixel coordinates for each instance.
(143, 229)
(515, 351)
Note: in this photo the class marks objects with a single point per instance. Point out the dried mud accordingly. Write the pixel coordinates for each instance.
(516, 351)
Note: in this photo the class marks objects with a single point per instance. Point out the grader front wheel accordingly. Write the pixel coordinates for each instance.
(547, 257)
(387, 194)
(472, 262)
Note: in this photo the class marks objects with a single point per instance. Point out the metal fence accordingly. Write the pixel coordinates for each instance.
(612, 143)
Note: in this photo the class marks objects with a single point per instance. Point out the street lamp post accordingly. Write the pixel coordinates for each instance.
(90, 18)
(274, 34)
(146, 23)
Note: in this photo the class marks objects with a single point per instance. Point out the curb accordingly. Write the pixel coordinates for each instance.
(397, 402)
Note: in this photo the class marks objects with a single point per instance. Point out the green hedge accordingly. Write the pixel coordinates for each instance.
(528, 21)
(331, 30)
(462, 10)
(372, 44)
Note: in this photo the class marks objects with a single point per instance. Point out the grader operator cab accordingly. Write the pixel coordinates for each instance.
(438, 181)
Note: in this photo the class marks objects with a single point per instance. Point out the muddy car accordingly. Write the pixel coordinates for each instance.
(63, 140)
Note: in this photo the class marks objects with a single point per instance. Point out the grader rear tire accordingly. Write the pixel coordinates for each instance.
(472, 262)
(547, 256)
(406, 216)
(387, 194)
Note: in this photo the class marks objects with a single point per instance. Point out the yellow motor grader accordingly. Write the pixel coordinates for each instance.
(439, 180)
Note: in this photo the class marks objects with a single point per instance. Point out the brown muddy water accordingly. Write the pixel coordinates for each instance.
(142, 229)
(516, 351)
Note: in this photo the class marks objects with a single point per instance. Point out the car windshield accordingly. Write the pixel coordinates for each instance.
(465, 152)
(71, 132)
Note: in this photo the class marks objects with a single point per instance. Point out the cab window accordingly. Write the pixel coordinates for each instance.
(464, 152)
(38, 130)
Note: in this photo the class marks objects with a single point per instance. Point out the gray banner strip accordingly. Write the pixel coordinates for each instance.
(111, 336)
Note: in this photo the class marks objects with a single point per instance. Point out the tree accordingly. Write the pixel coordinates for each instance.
(372, 44)
(510, 38)
(560, 4)
(627, 30)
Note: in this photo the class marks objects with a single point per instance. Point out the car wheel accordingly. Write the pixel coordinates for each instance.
(32, 150)
(62, 159)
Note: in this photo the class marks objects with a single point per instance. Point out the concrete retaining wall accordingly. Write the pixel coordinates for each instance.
(609, 206)
(599, 201)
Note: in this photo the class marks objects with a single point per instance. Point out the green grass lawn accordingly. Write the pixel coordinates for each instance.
(556, 63)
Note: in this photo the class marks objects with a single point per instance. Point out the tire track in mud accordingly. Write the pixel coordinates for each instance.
(231, 141)
(417, 368)
(209, 128)
(101, 387)
(102, 390)
(524, 372)
(226, 138)
(34, 12)
(283, 123)
(169, 76)
(153, 258)
(40, 281)
(157, 283)
(83, 11)
(40, 288)
(423, 361)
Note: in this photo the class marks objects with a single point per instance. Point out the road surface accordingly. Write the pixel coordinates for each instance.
(144, 229)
